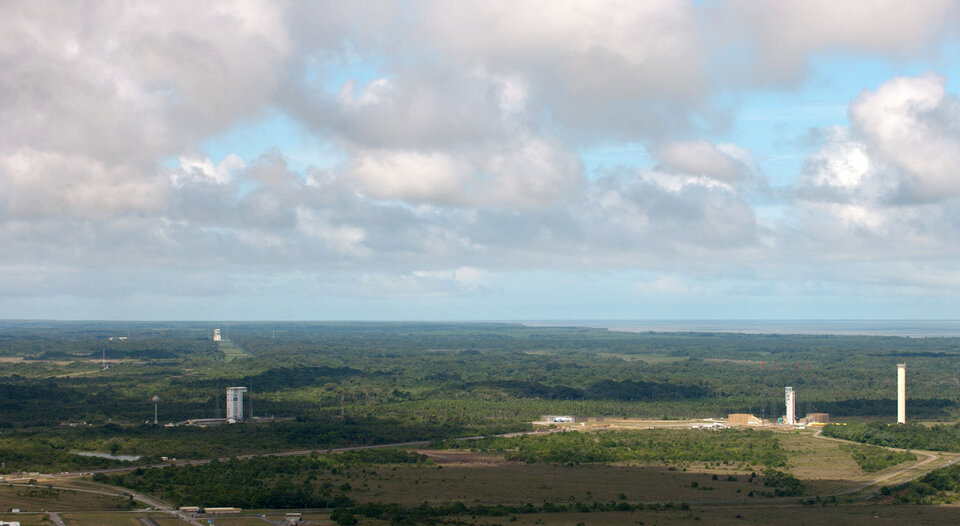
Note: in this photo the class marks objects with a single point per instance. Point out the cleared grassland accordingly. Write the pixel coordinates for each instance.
(517, 484)
(825, 466)
(39, 497)
(646, 358)
(113, 519)
(740, 515)
(232, 351)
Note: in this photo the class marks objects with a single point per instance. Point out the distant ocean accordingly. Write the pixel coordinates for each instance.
(912, 328)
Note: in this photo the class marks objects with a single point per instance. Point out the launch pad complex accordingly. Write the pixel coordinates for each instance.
(733, 420)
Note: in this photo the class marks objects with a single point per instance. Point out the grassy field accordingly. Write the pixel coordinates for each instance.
(517, 484)
(115, 519)
(473, 478)
(846, 515)
(851, 515)
(825, 466)
(26, 519)
(40, 497)
(647, 358)
(231, 351)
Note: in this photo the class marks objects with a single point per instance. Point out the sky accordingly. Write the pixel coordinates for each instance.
(487, 160)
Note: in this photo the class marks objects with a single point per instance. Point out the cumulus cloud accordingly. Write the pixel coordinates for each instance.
(781, 37)
(455, 147)
(884, 189)
(703, 158)
(903, 145)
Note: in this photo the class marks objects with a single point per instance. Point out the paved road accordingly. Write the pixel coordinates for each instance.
(55, 518)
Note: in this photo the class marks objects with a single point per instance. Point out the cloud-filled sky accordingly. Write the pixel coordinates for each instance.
(479, 160)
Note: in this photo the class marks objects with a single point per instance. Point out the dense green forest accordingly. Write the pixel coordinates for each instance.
(405, 381)
(905, 436)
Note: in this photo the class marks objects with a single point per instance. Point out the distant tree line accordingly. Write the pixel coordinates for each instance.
(905, 436)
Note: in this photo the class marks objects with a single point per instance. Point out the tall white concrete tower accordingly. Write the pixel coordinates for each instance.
(216, 335)
(235, 404)
(791, 400)
(901, 393)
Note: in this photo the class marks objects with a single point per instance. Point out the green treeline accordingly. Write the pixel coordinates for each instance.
(602, 390)
(904, 436)
(873, 458)
(938, 486)
(492, 371)
(666, 446)
(402, 381)
(49, 450)
(261, 482)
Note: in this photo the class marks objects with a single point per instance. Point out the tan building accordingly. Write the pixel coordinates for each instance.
(816, 418)
(743, 419)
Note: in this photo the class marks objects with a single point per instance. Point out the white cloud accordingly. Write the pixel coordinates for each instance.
(530, 172)
(702, 158)
(343, 240)
(782, 36)
(455, 152)
(884, 190)
(411, 176)
(42, 184)
(913, 125)
(903, 145)
(199, 170)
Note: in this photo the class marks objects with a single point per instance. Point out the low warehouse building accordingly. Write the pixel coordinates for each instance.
(743, 419)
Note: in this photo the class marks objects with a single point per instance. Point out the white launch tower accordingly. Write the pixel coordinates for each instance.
(235, 404)
(216, 335)
(791, 399)
(901, 393)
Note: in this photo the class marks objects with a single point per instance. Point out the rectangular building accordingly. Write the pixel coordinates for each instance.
(743, 419)
(235, 404)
